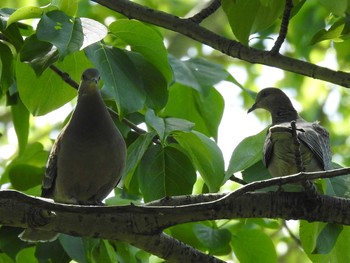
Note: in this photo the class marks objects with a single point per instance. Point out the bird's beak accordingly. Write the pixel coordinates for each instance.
(252, 108)
(95, 80)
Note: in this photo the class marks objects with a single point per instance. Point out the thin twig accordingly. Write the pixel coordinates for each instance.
(294, 237)
(65, 77)
(130, 124)
(284, 27)
(204, 13)
(237, 180)
(295, 178)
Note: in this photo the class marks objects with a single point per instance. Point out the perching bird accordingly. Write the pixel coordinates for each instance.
(279, 152)
(88, 157)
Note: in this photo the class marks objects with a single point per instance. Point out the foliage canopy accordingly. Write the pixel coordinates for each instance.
(155, 75)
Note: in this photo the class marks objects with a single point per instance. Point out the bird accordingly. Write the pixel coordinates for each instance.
(88, 157)
(280, 150)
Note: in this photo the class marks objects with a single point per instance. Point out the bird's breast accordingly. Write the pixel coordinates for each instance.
(285, 156)
(90, 164)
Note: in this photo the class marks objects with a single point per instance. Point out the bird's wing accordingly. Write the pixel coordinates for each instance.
(51, 168)
(268, 149)
(317, 139)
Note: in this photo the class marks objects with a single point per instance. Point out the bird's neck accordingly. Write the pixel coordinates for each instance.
(91, 110)
(284, 114)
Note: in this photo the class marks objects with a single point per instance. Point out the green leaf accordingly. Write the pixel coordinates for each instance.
(256, 172)
(340, 186)
(26, 255)
(12, 33)
(327, 238)
(48, 92)
(128, 253)
(165, 126)
(38, 54)
(246, 17)
(198, 73)
(175, 124)
(144, 40)
(74, 247)
(93, 30)
(90, 244)
(104, 252)
(336, 7)
(20, 117)
(118, 74)
(135, 153)
(205, 111)
(10, 244)
(157, 123)
(309, 237)
(333, 33)
(51, 252)
(33, 155)
(70, 7)
(23, 13)
(7, 68)
(5, 259)
(337, 186)
(165, 172)
(247, 152)
(253, 245)
(57, 28)
(185, 233)
(69, 34)
(213, 239)
(206, 156)
(211, 109)
(154, 83)
(24, 177)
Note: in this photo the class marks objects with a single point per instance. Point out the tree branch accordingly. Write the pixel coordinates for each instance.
(295, 178)
(284, 27)
(203, 14)
(65, 77)
(237, 180)
(142, 226)
(226, 46)
(123, 222)
(171, 249)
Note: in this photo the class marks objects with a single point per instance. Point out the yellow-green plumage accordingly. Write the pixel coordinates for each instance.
(279, 153)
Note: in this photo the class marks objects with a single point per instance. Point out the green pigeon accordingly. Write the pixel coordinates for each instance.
(88, 157)
(279, 152)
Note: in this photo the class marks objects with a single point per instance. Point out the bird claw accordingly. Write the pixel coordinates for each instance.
(39, 217)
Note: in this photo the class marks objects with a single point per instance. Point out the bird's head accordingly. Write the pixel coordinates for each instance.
(272, 100)
(89, 81)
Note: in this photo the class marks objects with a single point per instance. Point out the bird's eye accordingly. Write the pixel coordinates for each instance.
(264, 94)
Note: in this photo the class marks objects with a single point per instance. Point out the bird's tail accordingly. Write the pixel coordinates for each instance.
(33, 235)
